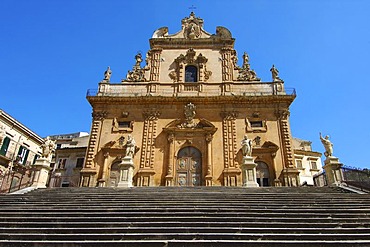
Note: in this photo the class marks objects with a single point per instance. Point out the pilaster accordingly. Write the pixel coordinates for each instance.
(231, 170)
(146, 169)
(89, 170)
(290, 174)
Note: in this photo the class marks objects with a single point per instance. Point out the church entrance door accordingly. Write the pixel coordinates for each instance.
(189, 167)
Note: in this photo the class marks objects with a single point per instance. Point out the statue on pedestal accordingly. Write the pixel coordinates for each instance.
(48, 147)
(328, 145)
(107, 74)
(275, 74)
(246, 146)
(130, 147)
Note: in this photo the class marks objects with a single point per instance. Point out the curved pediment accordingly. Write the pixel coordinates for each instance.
(201, 124)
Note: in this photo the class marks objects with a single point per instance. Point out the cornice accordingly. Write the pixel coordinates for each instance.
(239, 100)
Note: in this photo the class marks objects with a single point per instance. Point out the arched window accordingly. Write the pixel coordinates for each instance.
(191, 73)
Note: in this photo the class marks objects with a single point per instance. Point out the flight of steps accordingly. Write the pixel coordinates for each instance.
(183, 216)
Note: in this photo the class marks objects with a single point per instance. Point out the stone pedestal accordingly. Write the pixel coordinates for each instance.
(41, 169)
(290, 177)
(249, 177)
(333, 170)
(126, 172)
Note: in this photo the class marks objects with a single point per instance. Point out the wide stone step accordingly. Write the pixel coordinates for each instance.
(186, 236)
(187, 243)
(185, 229)
(158, 222)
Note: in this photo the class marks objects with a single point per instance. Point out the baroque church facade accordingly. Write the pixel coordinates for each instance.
(187, 108)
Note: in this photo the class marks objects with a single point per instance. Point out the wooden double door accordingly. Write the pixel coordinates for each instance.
(189, 167)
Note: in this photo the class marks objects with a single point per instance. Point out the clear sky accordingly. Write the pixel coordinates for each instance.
(51, 52)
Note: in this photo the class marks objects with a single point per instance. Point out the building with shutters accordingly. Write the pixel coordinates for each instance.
(187, 105)
(18, 144)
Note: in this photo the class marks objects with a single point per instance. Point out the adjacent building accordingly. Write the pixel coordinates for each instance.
(308, 162)
(69, 158)
(187, 105)
(19, 146)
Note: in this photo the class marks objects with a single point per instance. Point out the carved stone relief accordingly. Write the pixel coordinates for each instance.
(137, 74)
(190, 58)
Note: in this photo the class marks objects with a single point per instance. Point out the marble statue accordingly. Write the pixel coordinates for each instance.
(246, 146)
(130, 146)
(275, 74)
(107, 74)
(48, 147)
(328, 145)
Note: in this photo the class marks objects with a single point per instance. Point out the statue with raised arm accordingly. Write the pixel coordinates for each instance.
(328, 145)
(246, 146)
(130, 146)
(48, 147)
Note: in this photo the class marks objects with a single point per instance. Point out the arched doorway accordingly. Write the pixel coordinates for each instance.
(263, 174)
(189, 167)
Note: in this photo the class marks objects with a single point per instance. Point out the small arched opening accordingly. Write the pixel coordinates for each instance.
(191, 73)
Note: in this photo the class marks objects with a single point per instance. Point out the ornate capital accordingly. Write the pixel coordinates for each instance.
(152, 114)
(99, 115)
(229, 114)
(170, 137)
(282, 114)
(209, 137)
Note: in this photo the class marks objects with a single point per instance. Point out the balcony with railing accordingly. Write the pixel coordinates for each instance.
(191, 89)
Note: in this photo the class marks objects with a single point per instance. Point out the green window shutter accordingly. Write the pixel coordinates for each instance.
(20, 150)
(25, 157)
(34, 159)
(5, 146)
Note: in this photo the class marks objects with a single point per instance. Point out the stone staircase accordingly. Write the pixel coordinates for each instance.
(183, 216)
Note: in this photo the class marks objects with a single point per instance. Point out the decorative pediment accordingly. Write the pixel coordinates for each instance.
(190, 58)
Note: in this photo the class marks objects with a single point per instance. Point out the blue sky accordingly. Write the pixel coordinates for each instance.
(51, 52)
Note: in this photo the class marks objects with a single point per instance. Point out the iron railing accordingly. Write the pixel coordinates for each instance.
(18, 178)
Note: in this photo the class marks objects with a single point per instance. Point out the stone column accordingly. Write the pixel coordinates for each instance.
(209, 138)
(333, 169)
(169, 176)
(249, 177)
(103, 181)
(277, 182)
(126, 172)
(41, 169)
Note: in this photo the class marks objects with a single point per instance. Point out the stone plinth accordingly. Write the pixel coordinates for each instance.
(333, 169)
(126, 172)
(249, 177)
(41, 168)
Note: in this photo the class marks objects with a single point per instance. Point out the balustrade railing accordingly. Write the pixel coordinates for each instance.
(190, 89)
